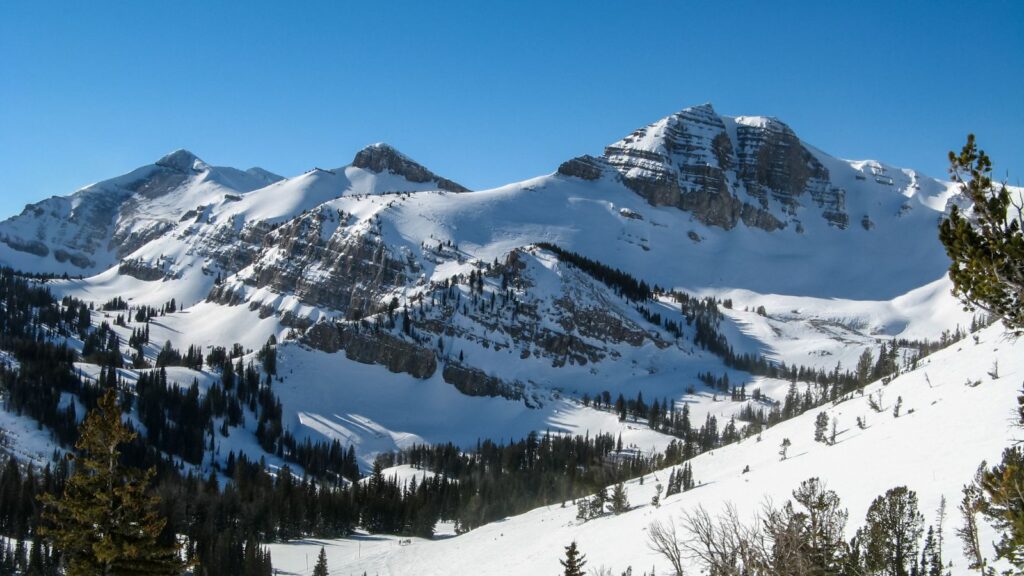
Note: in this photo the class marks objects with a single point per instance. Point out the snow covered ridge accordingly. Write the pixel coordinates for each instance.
(94, 228)
(722, 171)
(751, 169)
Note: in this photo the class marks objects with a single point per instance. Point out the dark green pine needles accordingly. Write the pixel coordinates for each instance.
(104, 523)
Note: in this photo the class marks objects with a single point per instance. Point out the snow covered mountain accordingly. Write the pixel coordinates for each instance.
(88, 231)
(678, 265)
(97, 226)
(383, 262)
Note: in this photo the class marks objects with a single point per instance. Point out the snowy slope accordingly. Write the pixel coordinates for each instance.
(944, 432)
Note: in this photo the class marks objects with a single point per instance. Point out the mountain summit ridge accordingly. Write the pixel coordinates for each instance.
(726, 170)
(716, 173)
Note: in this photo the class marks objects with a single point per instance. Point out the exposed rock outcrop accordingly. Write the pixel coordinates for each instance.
(30, 247)
(475, 382)
(705, 164)
(79, 260)
(346, 270)
(584, 167)
(373, 347)
(773, 162)
(383, 158)
(141, 270)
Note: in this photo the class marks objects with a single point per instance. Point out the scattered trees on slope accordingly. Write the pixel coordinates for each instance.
(805, 536)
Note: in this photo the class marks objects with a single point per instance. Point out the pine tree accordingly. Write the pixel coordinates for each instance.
(685, 480)
(820, 427)
(574, 561)
(821, 522)
(986, 246)
(672, 488)
(597, 502)
(864, 365)
(972, 504)
(892, 531)
(105, 524)
(619, 500)
(1004, 504)
(321, 564)
(931, 556)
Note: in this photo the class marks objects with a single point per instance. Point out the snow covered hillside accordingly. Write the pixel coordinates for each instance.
(953, 416)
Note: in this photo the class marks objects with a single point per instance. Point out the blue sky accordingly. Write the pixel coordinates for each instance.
(488, 92)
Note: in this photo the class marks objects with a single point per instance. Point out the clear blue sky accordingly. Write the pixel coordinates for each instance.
(488, 92)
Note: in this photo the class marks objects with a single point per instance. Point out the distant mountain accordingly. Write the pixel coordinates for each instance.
(94, 228)
(556, 284)
(706, 281)
(754, 170)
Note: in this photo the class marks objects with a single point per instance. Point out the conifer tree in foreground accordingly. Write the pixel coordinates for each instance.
(574, 561)
(321, 564)
(987, 245)
(892, 532)
(998, 493)
(104, 523)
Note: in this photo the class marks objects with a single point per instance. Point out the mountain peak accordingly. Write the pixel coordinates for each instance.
(183, 161)
(381, 157)
(763, 122)
(264, 174)
(706, 108)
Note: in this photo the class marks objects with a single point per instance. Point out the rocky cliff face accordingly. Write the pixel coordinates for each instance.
(723, 170)
(71, 230)
(475, 382)
(496, 309)
(773, 163)
(320, 259)
(383, 158)
(373, 347)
